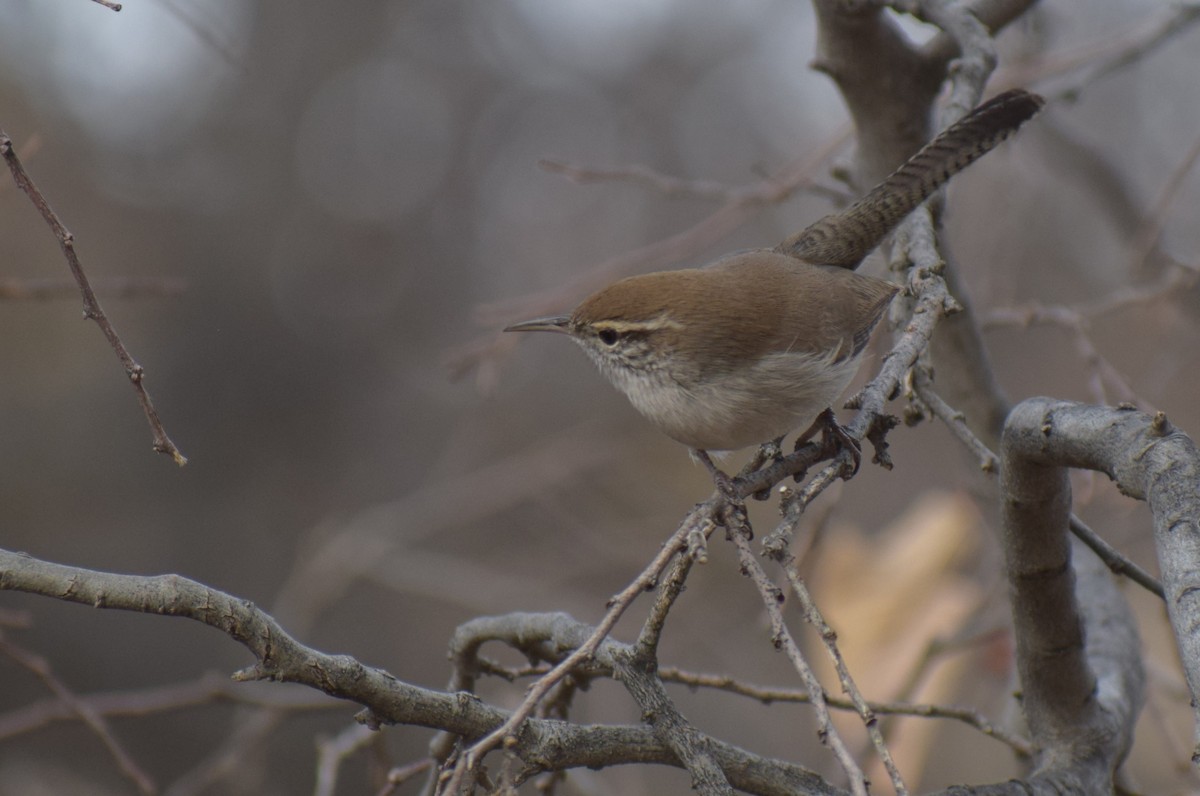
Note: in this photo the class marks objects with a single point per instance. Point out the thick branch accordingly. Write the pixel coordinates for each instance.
(1087, 728)
(1149, 460)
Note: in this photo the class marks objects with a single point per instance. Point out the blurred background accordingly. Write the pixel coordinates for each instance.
(321, 201)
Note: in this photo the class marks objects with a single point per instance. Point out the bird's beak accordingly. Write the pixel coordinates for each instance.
(558, 323)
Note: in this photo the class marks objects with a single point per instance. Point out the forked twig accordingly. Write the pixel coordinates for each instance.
(469, 760)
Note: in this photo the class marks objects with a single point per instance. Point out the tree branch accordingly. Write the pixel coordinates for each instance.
(1149, 460)
(91, 305)
(544, 745)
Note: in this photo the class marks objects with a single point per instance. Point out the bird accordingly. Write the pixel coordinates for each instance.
(762, 342)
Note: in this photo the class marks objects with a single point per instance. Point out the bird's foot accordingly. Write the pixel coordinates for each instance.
(834, 439)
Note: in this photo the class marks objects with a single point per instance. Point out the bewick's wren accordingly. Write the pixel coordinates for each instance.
(758, 343)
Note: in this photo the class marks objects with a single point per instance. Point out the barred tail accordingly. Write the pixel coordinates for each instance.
(847, 237)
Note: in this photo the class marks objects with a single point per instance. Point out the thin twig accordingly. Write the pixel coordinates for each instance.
(813, 616)
(954, 420)
(108, 4)
(768, 695)
(1116, 562)
(669, 590)
(637, 670)
(91, 306)
(468, 762)
(781, 637)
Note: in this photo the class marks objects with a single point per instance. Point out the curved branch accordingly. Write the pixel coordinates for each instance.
(544, 744)
(1149, 460)
(1082, 698)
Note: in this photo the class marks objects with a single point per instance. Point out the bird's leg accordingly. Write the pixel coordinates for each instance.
(722, 480)
(731, 512)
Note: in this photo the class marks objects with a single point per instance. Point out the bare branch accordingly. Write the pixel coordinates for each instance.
(208, 689)
(1148, 459)
(471, 758)
(128, 287)
(91, 305)
(813, 616)
(94, 721)
(768, 695)
(660, 254)
(781, 637)
(554, 637)
(545, 744)
(332, 751)
(989, 462)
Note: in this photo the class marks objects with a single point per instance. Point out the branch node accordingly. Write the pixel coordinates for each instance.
(250, 674)
(369, 719)
(1160, 426)
(876, 435)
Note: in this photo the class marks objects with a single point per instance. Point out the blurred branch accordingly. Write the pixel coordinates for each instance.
(243, 740)
(94, 721)
(1151, 229)
(185, 14)
(486, 350)
(1175, 279)
(670, 186)
(331, 752)
(1110, 54)
(116, 287)
(1100, 370)
(91, 306)
(209, 689)
(642, 175)
(381, 544)
(107, 4)
(402, 774)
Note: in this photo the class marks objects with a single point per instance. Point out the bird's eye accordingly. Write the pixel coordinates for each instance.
(608, 336)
